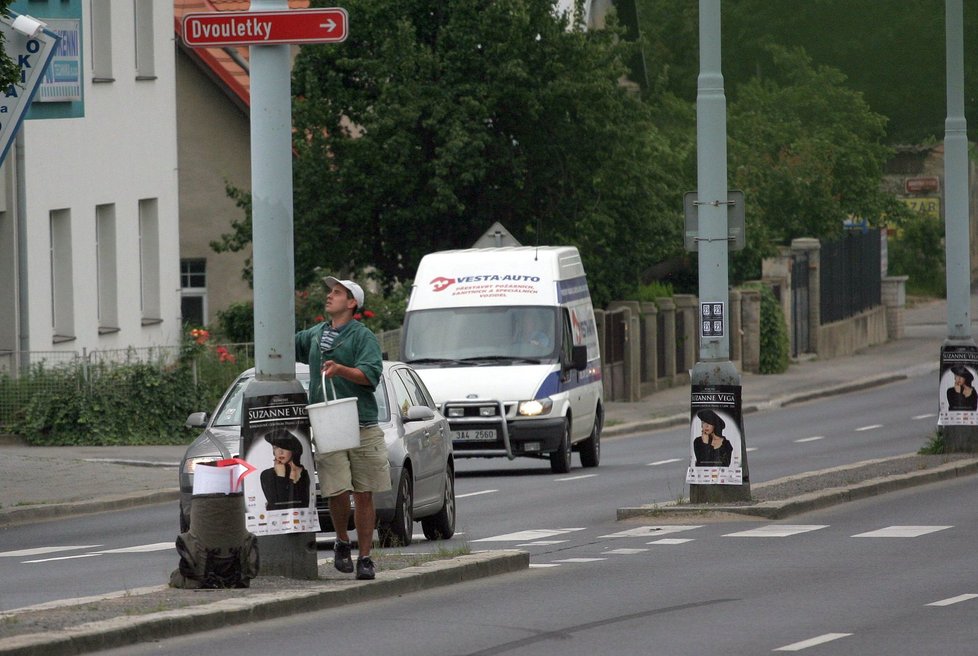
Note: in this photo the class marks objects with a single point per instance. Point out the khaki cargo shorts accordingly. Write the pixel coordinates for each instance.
(362, 469)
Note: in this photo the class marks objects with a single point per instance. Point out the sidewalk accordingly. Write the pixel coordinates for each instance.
(42, 483)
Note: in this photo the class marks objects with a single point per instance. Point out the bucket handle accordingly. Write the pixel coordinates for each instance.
(332, 388)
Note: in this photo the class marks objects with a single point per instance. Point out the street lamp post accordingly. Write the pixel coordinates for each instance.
(715, 382)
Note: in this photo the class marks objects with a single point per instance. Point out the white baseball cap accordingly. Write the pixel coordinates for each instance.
(349, 285)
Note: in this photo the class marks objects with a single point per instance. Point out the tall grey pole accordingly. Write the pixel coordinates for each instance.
(291, 555)
(959, 347)
(714, 370)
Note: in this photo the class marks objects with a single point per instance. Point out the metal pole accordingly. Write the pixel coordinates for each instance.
(959, 347)
(291, 555)
(714, 371)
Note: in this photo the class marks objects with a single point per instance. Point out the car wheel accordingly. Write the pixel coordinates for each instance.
(560, 460)
(591, 447)
(441, 526)
(398, 532)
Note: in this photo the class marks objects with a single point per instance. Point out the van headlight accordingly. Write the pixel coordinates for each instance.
(535, 407)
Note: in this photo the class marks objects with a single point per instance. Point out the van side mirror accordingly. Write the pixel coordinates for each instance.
(579, 357)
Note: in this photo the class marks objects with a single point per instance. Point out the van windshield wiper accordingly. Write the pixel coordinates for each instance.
(500, 358)
(433, 361)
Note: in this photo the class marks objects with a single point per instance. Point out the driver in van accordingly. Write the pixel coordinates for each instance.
(531, 333)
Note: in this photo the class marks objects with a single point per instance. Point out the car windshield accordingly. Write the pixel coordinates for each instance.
(230, 413)
(496, 335)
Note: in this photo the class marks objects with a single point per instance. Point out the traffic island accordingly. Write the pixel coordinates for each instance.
(793, 495)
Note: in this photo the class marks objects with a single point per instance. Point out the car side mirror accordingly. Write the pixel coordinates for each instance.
(579, 357)
(196, 420)
(419, 413)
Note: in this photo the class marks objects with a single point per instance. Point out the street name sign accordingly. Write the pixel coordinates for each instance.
(256, 28)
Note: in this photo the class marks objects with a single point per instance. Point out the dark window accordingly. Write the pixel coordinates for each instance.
(192, 310)
(193, 273)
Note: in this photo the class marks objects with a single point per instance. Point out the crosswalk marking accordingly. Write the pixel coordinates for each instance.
(39, 551)
(528, 536)
(650, 531)
(663, 462)
(776, 531)
(579, 560)
(671, 541)
(540, 543)
(954, 600)
(812, 642)
(474, 494)
(625, 551)
(901, 531)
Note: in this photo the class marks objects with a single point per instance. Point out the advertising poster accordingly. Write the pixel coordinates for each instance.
(958, 397)
(280, 497)
(716, 430)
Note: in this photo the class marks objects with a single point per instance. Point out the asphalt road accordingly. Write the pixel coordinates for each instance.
(132, 549)
(890, 575)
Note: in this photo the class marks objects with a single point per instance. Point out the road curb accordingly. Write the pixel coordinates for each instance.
(805, 502)
(129, 630)
(46, 512)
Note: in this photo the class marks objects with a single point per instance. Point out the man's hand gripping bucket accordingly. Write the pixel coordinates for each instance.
(335, 424)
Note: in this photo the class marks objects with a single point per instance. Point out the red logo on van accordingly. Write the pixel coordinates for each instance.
(440, 283)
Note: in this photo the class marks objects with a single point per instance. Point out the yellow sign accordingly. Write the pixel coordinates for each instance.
(927, 206)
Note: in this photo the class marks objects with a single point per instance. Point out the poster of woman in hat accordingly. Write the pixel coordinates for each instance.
(286, 482)
(958, 396)
(715, 436)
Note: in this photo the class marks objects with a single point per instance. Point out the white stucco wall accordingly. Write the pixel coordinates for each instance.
(121, 152)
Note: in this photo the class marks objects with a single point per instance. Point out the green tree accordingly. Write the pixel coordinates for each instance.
(9, 70)
(435, 119)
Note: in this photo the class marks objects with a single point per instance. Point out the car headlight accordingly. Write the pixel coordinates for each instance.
(535, 407)
(190, 464)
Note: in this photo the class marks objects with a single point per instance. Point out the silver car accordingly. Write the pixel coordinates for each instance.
(419, 447)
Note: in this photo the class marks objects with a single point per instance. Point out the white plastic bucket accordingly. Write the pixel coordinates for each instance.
(335, 424)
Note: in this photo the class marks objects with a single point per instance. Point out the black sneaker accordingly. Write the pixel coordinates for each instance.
(365, 568)
(341, 556)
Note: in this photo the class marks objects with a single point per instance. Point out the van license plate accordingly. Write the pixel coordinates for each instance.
(485, 435)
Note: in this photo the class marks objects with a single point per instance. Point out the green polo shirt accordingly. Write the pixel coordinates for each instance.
(355, 346)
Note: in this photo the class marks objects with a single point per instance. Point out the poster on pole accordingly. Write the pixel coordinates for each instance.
(957, 395)
(716, 436)
(275, 441)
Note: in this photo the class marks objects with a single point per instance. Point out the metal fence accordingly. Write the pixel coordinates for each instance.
(850, 275)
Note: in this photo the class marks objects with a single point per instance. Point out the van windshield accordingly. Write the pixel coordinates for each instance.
(477, 335)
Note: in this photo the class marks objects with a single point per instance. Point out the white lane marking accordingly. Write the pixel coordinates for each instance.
(474, 494)
(576, 478)
(810, 439)
(671, 541)
(625, 551)
(870, 427)
(142, 548)
(650, 531)
(38, 551)
(751, 449)
(536, 565)
(776, 531)
(540, 543)
(48, 560)
(954, 600)
(813, 642)
(926, 416)
(579, 560)
(663, 462)
(901, 531)
(528, 536)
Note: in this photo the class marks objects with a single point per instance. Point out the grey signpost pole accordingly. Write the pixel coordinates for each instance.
(714, 367)
(291, 555)
(959, 345)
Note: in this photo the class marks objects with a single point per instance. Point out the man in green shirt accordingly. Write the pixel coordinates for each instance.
(348, 353)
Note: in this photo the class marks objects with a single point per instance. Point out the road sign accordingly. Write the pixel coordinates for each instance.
(32, 55)
(735, 220)
(251, 28)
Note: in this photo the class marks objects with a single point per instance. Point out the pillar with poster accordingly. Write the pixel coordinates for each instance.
(280, 502)
(716, 436)
(958, 397)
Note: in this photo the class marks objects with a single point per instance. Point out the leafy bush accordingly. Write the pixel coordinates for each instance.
(237, 322)
(775, 345)
(918, 252)
(652, 291)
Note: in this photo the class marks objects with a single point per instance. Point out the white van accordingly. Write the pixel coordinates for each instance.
(505, 340)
